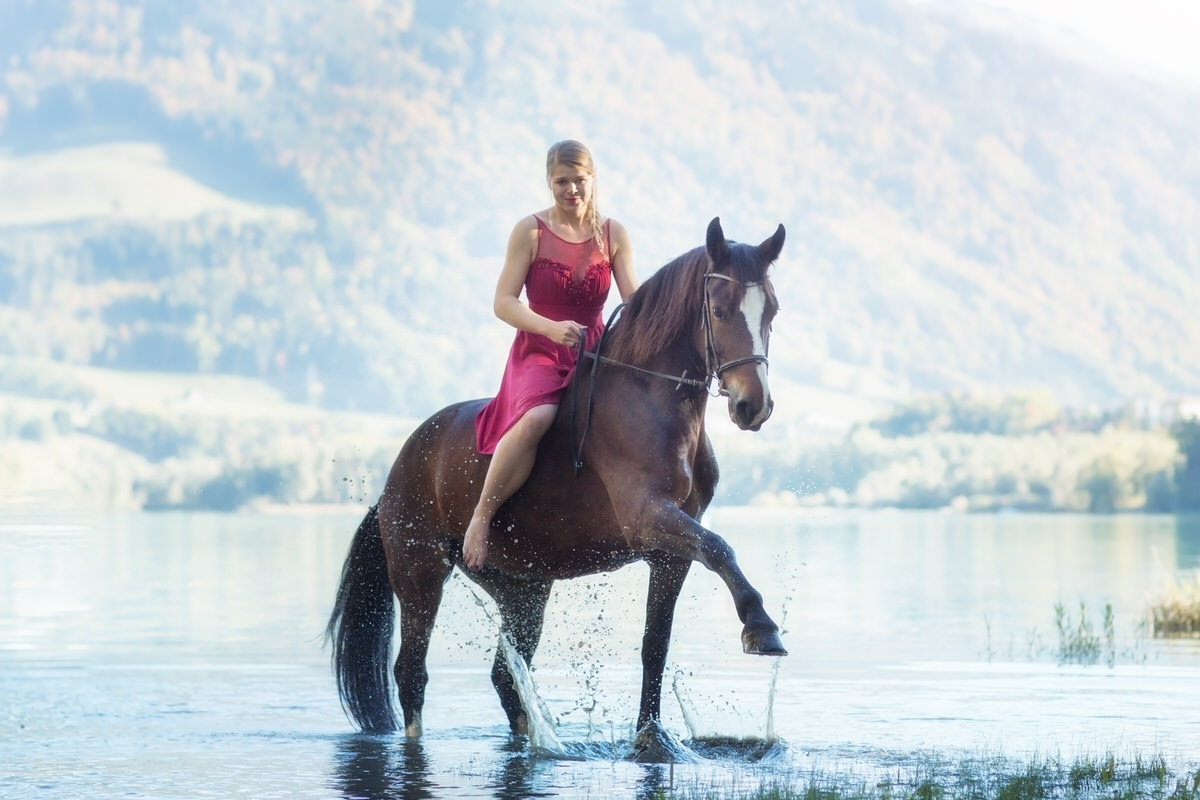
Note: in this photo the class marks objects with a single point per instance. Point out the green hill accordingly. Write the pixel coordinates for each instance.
(318, 194)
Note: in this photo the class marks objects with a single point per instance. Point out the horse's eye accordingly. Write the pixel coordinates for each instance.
(719, 313)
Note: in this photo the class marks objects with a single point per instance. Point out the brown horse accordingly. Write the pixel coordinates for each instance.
(649, 475)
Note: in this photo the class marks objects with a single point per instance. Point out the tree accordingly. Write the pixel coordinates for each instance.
(1187, 435)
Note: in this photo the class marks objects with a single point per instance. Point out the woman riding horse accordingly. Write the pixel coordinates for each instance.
(647, 474)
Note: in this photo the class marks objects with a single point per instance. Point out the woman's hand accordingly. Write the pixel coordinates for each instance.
(566, 333)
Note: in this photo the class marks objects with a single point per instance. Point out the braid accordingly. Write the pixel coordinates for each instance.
(593, 215)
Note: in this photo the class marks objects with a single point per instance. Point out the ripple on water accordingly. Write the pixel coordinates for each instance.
(179, 655)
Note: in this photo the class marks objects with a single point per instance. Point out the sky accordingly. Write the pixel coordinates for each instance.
(1157, 37)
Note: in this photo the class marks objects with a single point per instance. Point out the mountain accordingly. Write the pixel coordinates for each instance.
(318, 194)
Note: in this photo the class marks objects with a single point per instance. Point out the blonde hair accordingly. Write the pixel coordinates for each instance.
(570, 153)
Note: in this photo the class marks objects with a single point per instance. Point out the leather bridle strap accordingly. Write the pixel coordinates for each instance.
(680, 380)
(711, 356)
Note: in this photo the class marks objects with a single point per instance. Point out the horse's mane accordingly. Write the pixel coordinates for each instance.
(667, 306)
(662, 309)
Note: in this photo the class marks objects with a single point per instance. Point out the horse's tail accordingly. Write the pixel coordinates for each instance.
(360, 629)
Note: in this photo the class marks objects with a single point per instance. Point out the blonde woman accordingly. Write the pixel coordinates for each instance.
(566, 258)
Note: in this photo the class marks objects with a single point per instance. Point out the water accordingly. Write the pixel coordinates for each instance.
(179, 655)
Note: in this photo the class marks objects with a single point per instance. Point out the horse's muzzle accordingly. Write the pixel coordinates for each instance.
(747, 414)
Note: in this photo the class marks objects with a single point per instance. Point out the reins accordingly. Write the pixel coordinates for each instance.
(577, 450)
(711, 357)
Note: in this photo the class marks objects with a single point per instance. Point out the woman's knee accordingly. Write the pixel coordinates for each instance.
(536, 421)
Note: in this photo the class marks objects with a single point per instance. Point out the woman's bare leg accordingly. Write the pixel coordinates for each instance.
(510, 467)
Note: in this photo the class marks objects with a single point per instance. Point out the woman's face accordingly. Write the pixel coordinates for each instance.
(571, 187)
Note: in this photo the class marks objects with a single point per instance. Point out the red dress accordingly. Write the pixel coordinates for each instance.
(567, 280)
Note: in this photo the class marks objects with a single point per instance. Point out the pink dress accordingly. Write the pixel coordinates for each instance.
(567, 280)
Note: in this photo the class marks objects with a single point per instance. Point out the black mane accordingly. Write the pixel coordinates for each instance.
(666, 308)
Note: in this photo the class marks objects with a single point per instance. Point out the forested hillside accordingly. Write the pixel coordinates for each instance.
(328, 189)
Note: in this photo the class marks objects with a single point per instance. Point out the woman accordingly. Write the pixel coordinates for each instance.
(566, 258)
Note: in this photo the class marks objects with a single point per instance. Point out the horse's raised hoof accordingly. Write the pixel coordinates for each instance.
(762, 643)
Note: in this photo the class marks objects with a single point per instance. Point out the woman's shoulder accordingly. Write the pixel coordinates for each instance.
(616, 231)
(529, 222)
(526, 229)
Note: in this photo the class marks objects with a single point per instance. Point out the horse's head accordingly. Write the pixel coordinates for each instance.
(739, 305)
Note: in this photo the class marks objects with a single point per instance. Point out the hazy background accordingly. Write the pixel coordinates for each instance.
(218, 216)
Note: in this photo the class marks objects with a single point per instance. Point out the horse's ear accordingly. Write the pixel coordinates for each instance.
(718, 248)
(770, 248)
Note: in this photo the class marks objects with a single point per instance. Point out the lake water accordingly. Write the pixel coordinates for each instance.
(180, 655)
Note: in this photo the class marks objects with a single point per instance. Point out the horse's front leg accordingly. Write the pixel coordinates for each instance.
(666, 580)
(664, 527)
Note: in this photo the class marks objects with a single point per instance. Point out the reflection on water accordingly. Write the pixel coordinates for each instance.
(392, 767)
(180, 655)
(376, 766)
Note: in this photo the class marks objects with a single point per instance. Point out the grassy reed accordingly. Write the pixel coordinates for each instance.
(1108, 777)
(1176, 612)
(1078, 643)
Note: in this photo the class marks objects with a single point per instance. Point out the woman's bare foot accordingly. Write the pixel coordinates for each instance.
(475, 545)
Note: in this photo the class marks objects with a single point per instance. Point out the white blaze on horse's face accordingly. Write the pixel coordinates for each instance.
(750, 401)
(754, 307)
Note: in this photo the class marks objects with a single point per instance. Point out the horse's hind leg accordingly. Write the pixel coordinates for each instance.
(420, 593)
(412, 675)
(522, 605)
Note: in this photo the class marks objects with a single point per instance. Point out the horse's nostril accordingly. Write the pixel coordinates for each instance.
(745, 414)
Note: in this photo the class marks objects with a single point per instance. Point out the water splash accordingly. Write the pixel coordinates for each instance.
(655, 744)
(771, 736)
(540, 725)
(541, 730)
(685, 706)
(652, 744)
(735, 749)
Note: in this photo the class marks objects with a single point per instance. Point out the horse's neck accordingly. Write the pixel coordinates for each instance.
(678, 382)
(681, 357)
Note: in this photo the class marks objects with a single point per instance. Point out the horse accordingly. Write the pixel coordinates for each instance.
(648, 476)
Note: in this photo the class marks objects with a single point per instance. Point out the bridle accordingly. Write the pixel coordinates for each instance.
(711, 356)
(713, 366)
